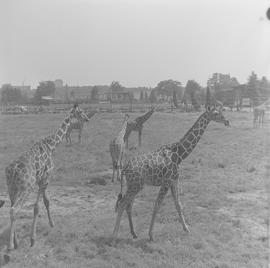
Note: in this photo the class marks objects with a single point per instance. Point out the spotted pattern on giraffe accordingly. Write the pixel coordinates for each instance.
(160, 168)
(31, 168)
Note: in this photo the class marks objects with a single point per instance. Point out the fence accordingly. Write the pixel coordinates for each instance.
(101, 107)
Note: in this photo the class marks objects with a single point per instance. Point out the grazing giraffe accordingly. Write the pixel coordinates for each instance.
(78, 125)
(160, 168)
(34, 168)
(117, 148)
(137, 125)
(258, 115)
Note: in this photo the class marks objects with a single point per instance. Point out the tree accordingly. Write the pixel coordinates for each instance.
(252, 88)
(152, 98)
(94, 93)
(141, 96)
(116, 86)
(131, 99)
(174, 99)
(45, 88)
(11, 95)
(220, 81)
(264, 83)
(72, 94)
(207, 97)
(192, 91)
(167, 87)
(145, 96)
(66, 94)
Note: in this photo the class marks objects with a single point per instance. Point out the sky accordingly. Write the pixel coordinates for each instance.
(135, 42)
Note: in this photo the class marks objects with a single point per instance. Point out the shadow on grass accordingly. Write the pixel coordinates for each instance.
(4, 237)
(144, 244)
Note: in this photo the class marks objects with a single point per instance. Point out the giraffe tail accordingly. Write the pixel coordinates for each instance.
(2, 202)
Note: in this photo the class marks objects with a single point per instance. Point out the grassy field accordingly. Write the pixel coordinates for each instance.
(225, 197)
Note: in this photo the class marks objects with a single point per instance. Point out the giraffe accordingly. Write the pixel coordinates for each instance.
(160, 168)
(137, 125)
(32, 168)
(117, 148)
(258, 115)
(78, 125)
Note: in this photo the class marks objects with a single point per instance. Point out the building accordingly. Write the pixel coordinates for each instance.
(137, 92)
(97, 93)
(25, 90)
(118, 96)
(58, 83)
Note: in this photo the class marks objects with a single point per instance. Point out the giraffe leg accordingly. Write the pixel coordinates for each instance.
(47, 205)
(129, 213)
(118, 219)
(34, 225)
(162, 192)
(12, 228)
(69, 137)
(262, 118)
(140, 138)
(15, 239)
(127, 143)
(119, 166)
(175, 194)
(17, 204)
(254, 119)
(114, 168)
(113, 173)
(117, 171)
(127, 199)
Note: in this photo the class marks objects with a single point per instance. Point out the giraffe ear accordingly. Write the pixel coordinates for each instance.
(208, 108)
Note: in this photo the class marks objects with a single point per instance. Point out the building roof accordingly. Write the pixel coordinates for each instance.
(47, 97)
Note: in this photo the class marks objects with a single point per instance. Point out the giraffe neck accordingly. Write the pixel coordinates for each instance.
(261, 106)
(185, 146)
(55, 139)
(91, 114)
(143, 118)
(123, 131)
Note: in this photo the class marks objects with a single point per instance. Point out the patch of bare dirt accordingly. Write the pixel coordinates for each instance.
(254, 225)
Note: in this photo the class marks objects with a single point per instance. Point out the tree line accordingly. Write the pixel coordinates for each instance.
(167, 90)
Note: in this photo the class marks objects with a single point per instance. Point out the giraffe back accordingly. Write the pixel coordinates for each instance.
(152, 168)
(30, 167)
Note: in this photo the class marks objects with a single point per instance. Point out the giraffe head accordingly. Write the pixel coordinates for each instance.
(215, 114)
(214, 111)
(77, 113)
(126, 117)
